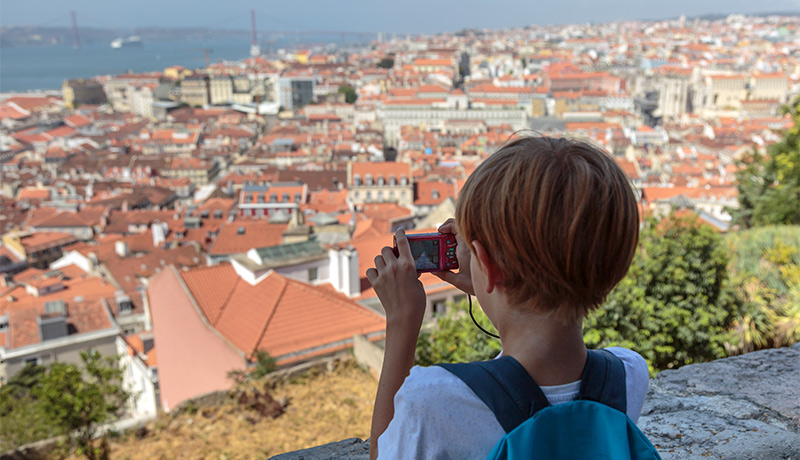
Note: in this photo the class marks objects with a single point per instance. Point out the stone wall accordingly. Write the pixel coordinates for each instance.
(744, 407)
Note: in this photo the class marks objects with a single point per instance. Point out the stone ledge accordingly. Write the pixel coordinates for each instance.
(740, 408)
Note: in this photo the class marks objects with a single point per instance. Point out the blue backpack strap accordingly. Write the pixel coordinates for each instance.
(604, 381)
(519, 396)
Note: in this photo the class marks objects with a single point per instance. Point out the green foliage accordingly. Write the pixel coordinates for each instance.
(265, 364)
(64, 399)
(24, 419)
(386, 63)
(765, 267)
(350, 95)
(79, 400)
(675, 306)
(769, 185)
(455, 338)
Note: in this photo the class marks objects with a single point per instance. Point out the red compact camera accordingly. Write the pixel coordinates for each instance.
(432, 252)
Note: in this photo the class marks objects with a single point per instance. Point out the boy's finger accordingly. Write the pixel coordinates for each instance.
(402, 244)
(372, 275)
(449, 226)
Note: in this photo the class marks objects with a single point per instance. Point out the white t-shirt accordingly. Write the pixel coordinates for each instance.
(437, 416)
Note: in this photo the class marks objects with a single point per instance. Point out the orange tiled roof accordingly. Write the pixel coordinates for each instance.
(426, 189)
(88, 287)
(267, 315)
(383, 169)
(385, 211)
(83, 317)
(34, 194)
(136, 346)
(257, 234)
(30, 103)
(328, 201)
(11, 112)
(433, 62)
(41, 240)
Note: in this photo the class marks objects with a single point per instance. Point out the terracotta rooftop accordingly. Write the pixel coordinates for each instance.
(42, 240)
(242, 235)
(281, 315)
(82, 317)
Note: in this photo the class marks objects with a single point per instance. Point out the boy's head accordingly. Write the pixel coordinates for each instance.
(558, 217)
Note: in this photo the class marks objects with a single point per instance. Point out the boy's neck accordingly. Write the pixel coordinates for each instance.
(552, 352)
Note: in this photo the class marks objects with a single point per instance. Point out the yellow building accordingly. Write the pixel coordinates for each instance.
(177, 72)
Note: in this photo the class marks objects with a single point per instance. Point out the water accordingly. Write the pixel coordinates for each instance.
(46, 67)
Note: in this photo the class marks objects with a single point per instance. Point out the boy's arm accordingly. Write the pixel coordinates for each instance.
(396, 282)
(397, 362)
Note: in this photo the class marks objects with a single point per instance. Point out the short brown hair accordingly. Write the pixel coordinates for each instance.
(558, 217)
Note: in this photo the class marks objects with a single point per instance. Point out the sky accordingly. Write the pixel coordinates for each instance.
(406, 16)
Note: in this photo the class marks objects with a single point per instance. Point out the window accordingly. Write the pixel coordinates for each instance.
(285, 198)
(381, 181)
(297, 197)
(312, 274)
(369, 179)
(404, 180)
(260, 197)
(273, 198)
(35, 361)
(392, 180)
(356, 180)
(435, 194)
(439, 308)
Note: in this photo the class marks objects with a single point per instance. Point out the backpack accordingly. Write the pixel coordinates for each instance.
(593, 426)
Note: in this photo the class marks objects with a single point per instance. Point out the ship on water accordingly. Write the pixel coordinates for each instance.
(133, 40)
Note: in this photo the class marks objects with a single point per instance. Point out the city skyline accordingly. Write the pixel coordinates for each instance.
(361, 16)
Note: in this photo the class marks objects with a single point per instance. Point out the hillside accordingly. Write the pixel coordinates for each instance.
(322, 407)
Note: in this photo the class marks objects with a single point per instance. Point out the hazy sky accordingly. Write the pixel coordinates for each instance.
(413, 16)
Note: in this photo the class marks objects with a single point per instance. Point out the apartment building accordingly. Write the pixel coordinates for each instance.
(380, 182)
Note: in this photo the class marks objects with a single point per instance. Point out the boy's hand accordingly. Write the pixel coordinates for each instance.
(397, 284)
(462, 280)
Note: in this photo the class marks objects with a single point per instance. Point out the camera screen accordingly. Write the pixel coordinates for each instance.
(425, 253)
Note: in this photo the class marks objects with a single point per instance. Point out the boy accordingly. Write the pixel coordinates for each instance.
(546, 228)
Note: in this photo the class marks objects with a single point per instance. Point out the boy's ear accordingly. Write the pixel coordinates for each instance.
(494, 276)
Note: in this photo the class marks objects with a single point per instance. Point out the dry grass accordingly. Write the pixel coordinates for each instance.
(323, 407)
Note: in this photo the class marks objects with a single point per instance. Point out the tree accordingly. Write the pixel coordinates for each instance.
(676, 305)
(455, 338)
(769, 185)
(79, 400)
(350, 95)
(386, 63)
(765, 265)
(24, 419)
